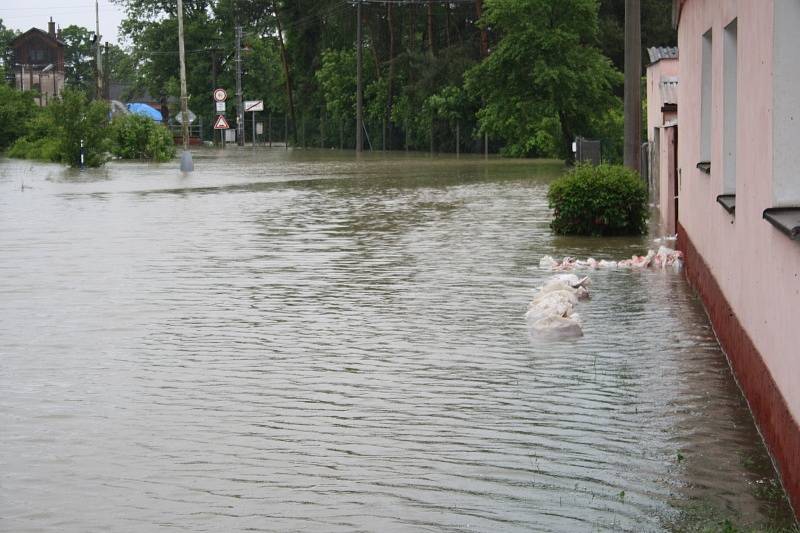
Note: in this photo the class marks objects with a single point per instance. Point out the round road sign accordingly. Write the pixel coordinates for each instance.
(220, 95)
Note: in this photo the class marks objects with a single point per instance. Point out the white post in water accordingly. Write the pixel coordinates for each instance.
(186, 157)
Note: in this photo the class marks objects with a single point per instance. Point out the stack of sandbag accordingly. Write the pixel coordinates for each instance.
(552, 311)
(663, 258)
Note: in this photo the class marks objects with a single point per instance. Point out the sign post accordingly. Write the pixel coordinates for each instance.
(253, 106)
(220, 95)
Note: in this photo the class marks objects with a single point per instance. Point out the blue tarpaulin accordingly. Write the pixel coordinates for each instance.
(146, 110)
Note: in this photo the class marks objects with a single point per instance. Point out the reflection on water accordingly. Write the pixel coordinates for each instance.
(298, 341)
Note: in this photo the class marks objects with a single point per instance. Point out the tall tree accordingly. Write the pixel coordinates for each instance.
(545, 80)
(78, 57)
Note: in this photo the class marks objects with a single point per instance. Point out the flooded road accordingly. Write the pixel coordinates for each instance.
(289, 341)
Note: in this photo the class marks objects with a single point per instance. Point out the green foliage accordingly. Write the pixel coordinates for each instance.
(6, 35)
(139, 137)
(599, 200)
(545, 81)
(43, 149)
(39, 142)
(79, 120)
(17, 109)
(78, 57)
(657, 28)
(337, 80)
(608, 129)
(55, 133)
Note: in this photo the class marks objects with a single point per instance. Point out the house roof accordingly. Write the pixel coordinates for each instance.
(657, 53)
(36, 31)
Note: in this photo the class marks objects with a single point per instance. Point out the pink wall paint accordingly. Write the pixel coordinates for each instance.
(667, 189)
(655, 121)
(757, 267)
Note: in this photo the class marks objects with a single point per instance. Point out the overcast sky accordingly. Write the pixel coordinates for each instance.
(25, 14)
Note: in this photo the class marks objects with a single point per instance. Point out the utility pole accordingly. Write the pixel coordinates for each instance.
(359, 88)
(186, 157)
(98, 53)
(106, 75)
(633, 76)
(239, 108)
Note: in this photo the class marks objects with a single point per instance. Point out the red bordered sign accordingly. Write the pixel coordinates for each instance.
(221, 123)
(220, 95)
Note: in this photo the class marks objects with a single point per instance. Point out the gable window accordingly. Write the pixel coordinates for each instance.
(38, 55)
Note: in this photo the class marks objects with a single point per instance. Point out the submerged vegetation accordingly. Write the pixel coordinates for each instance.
(59, 131)
(138, 137)
(599, 200)
(73, 126)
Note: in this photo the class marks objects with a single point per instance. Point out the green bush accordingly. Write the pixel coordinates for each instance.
(17, 109)
(40, 142)
(139, 137)
(44, 149)
(599, 200)
(55, 132)
(79, 120)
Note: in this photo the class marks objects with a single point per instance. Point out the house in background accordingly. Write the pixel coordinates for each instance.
(738, 168)
(662, 134)
(38, 62)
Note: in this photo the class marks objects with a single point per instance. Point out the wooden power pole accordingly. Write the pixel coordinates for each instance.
(359, 82)
(633, 88)
(186, 157)
(98, 54)
(239, 103)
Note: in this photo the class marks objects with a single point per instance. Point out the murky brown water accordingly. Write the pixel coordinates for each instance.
(295, 341)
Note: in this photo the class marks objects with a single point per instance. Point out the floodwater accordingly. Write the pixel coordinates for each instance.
(293, 340)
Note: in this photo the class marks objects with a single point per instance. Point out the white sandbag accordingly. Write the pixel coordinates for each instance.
(547, 262)
(557, 326)
(572, 280)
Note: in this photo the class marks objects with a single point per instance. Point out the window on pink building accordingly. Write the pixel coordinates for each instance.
(705, 99)
(730, 107)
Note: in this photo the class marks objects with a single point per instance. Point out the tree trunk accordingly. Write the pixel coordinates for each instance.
(447, 24)
(390, 81)
(458, 139)
(321, 129)
(431, 51)
(286, 72)
(484, 36)
(567, 137)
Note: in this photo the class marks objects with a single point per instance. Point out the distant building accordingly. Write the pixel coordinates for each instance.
(662, 115)
(738, 191)
(38, 62)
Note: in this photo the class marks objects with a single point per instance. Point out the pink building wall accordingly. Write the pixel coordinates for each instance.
(662, 135)
(655, 118)
(743, 263)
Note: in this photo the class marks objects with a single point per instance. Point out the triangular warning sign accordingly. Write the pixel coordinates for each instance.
(221, 123)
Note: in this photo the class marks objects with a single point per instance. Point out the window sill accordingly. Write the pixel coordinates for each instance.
(728, 201)
(786, 219)
(704, 166)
